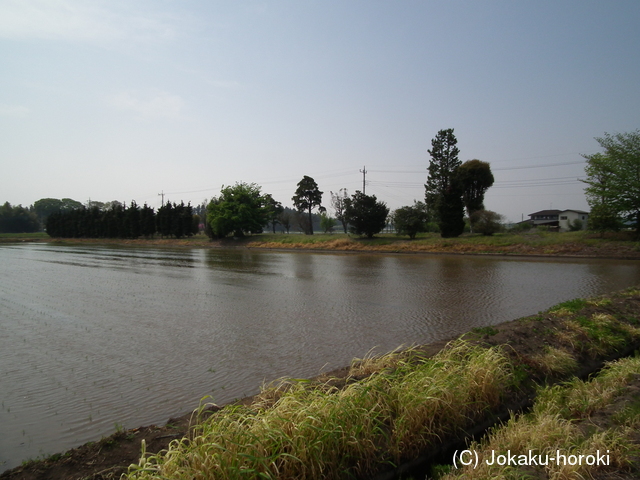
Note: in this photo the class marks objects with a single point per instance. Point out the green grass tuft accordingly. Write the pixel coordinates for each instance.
(571, 306)
(352, 432)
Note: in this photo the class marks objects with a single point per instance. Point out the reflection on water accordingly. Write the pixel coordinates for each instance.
(94, 336)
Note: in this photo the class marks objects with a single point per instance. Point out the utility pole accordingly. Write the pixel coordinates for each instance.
(162, 195)
(364, 175)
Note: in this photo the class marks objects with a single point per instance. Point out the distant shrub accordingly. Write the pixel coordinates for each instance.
(432, 227)
(411, 220)
(486, 222)
(576, 225)
(521, 227)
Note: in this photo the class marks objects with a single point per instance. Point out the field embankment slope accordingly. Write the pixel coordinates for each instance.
(623, 245)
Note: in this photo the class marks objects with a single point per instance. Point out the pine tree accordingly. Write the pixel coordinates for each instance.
(443, 194)
(307, 197)
(444, 162)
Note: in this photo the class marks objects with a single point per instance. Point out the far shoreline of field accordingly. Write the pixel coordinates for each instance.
(535, 243)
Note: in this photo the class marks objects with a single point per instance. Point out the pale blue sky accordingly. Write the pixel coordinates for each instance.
(124, 99)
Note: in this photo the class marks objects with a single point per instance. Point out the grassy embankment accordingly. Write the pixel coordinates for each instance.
(529, 243)
(538, 242)
(396, 407)
(598, 420)
(20, 237)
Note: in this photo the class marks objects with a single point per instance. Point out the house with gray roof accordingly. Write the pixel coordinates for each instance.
(562, 219)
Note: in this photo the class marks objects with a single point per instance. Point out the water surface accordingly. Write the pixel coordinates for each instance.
(93, 337)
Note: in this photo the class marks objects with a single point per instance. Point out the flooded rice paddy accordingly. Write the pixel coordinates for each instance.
(97, 338)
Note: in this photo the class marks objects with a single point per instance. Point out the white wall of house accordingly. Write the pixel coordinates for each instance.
(566, 218)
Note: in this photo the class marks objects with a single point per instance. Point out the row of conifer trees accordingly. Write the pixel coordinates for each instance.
(120, 221)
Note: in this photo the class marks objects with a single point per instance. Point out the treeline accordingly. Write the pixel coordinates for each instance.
(243, 209)
(452, 188)
(120, 221)
(17, 219)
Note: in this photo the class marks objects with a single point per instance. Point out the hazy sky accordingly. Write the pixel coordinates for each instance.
(121, 100)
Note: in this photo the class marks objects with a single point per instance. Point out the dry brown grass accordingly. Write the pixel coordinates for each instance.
(308, 433)
(552, 426)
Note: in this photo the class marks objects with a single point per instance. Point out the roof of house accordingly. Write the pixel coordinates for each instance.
(557, 212)
(547, 212)
(582, 212)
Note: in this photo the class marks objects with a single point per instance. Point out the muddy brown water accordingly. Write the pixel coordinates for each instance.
(96, 338)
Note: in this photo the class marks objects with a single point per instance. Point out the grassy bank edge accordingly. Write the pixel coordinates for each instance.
(622, 245)
(394, 407)
(589, 428)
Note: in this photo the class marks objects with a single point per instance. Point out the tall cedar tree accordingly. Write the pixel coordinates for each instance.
(451, 212)
(147, 221)
(444, 161)
(164, 219)
(443, 194)
(132, 221)
(307, 197)
(119, 221)
(365, 215)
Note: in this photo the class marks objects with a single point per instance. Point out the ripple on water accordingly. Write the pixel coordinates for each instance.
(99, 336)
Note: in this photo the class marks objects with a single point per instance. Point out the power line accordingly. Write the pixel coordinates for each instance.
(539, 166)
(289, 180)
(493, 169)
(537, 182)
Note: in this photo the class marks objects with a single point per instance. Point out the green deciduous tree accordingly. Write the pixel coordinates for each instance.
(286, 218)
(70, 204)
(365, 214)
(613, 179)
(326, 222)
(46, 206)
(604, 218)
(273, 211)
(475, 178)
(411, 220)
(487, 222)
(307, 197)
(338, 204)
(239, 209)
